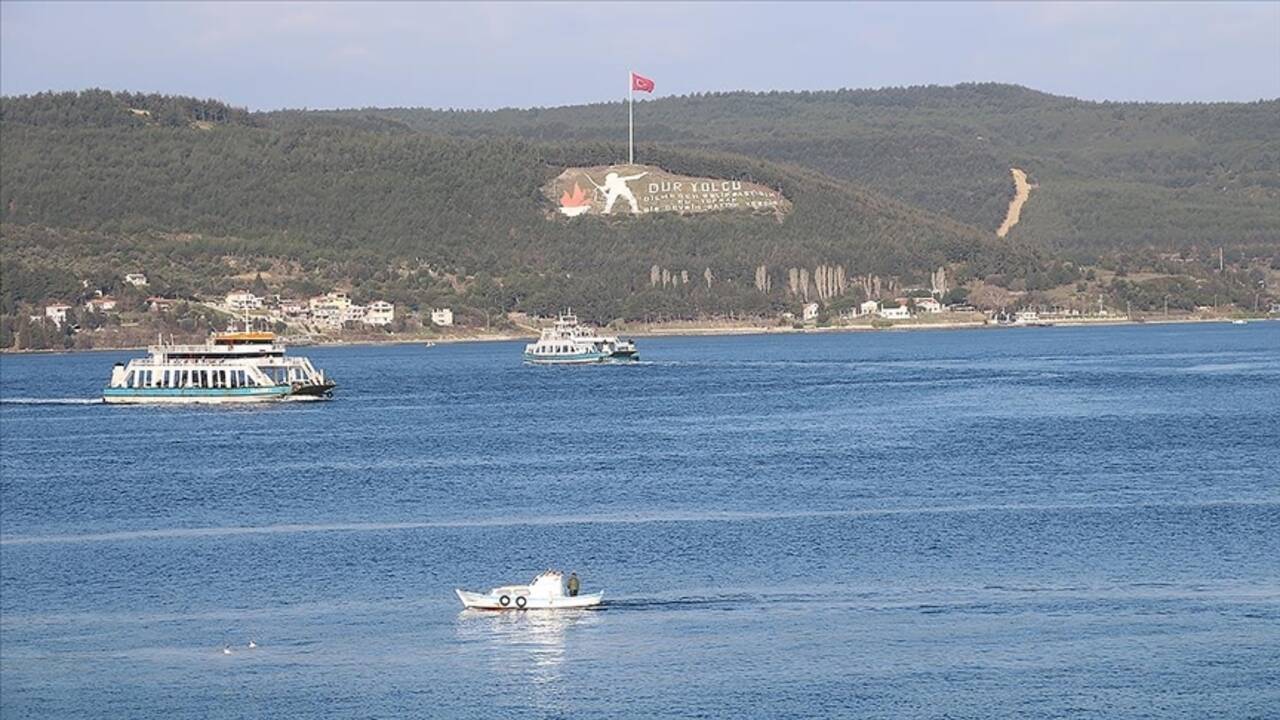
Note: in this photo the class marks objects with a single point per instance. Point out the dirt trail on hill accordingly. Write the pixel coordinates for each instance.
(1022, 191)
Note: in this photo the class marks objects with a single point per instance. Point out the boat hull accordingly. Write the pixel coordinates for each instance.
(489, 601)
(581, 358)
(206, 396)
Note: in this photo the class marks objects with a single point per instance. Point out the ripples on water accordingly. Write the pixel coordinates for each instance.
(1019, 523)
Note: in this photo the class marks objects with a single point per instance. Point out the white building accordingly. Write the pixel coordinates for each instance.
(810, 312)
(337, 300)
(929, 305)
(293, 308)
(442, 317)
(870, 307)
(380, 312)
(57, 313)
(240, 300)
(896, 313)
(136, 279)
(156, 303)
(101, 304)
(331, 309)
(353, 313)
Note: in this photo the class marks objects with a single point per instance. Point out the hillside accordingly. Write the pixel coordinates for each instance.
(422, 219)
(428, 209)
(1112, 176)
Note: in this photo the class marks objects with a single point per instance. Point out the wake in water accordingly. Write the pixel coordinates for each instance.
(692, 516)
(51, 401)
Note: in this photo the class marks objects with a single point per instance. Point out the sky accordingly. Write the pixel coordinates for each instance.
(472, 55)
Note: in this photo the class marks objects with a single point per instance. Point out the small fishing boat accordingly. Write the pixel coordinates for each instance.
(568, 342)
(546, 592)
(1239, 321)
(231, 367)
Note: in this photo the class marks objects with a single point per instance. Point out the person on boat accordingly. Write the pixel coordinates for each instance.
(573, 584)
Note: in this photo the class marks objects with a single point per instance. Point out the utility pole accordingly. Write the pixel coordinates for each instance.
(1220, 266)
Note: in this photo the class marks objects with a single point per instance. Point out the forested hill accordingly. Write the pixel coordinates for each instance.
(102, 108)
(420, 219)
(1109, 176)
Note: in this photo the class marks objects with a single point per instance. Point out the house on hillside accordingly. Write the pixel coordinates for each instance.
(330, 309)
(136, 279)
(380, 312)
(101, 304)
(870, 307)
(157, 304)
(241, 300)
(895, 313)
(353, 313)
(57, 313)
(810, 312)
(929, 305)
(442, 317)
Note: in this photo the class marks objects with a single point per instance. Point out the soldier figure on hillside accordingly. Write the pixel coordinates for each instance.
(615, 186)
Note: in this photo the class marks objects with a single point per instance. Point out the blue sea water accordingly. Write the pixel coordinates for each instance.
(1032, 523)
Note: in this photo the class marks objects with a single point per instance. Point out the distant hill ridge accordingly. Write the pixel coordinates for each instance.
(1112, 175)
(89, 186)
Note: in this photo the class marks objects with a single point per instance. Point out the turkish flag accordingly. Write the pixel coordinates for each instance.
(641, 83)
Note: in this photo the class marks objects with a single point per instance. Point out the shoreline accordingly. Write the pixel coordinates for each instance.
(696, 330)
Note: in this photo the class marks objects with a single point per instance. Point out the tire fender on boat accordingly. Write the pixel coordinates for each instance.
(521, 602)
(505, 600)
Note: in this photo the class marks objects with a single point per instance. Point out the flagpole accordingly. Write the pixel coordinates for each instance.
(631, 119)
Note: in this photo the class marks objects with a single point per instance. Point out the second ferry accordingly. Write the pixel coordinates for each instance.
(569, 343)
(231, 367)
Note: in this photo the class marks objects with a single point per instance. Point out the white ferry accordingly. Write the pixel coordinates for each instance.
(1030, 318)
(231, 367)
(569, 343)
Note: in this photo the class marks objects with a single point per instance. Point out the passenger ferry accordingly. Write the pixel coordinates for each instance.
(569, 343)
(231, 367)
